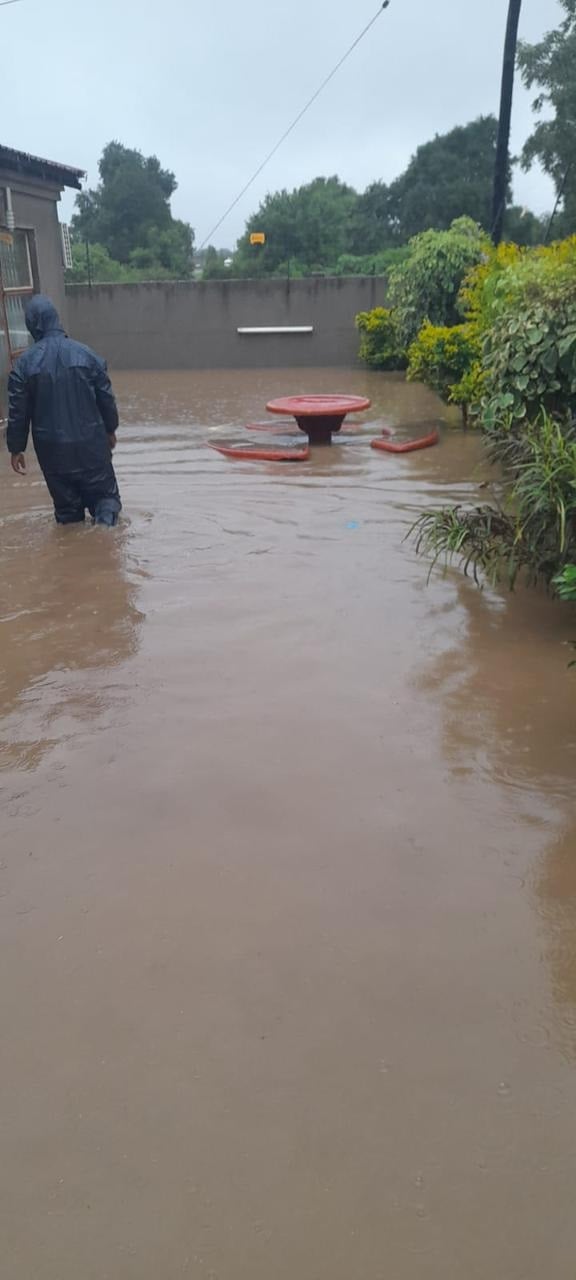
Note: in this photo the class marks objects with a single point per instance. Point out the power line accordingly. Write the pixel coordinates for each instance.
(3, 3)
(295, 122)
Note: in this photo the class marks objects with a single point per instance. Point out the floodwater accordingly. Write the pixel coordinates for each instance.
(288, 870)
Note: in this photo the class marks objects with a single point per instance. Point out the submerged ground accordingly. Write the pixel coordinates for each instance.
(288, 871)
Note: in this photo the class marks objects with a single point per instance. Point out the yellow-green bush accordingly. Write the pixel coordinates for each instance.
(448, 360)
(521, 310)
(380, 345)
(522, 302)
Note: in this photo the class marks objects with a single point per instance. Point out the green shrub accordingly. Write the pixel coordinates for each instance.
(96, 263)
(523, 303)
(380, 346)
(520, 305)
(426, 287)
(565, 586)
(565, 583)
(370, 264)
(535, 532)
(448, 361)
(469, 392)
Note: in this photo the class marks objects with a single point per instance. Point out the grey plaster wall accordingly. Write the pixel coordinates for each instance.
(36, 207)
(195, 325)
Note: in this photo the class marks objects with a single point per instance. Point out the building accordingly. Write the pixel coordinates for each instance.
(31, 244)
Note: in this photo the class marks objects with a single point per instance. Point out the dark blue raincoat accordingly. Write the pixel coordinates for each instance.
(62, 390)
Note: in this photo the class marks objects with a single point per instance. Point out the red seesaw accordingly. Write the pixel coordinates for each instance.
(253, 454)
(407, 446)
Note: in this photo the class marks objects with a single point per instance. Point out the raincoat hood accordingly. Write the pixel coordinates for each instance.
(42, 317)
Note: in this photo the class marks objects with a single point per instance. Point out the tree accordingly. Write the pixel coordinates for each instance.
(309, 225)
(521, 226)
(426, 288)
(551, 66)
(501, 192)
(322, 224)
(213, 262)
(130, 204)
(372, 225)
(448, 178)
(93, 263)
(167, 253)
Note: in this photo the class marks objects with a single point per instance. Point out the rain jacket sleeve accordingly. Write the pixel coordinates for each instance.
(105, 396)
(19, 411)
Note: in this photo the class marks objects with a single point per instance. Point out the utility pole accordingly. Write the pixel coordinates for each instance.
(503, 145)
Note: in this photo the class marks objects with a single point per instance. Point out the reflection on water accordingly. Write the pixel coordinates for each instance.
(556, 898)
(510, 728)
(506, 689)
(68, 620)
(287, 883)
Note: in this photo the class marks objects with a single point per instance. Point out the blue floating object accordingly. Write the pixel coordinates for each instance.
(353, 524)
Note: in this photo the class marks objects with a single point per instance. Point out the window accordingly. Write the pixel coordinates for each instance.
(16, 286)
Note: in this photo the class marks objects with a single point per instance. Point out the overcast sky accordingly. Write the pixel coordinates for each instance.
(210, 87)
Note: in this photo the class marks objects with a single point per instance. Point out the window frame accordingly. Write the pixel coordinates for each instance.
(19, 291)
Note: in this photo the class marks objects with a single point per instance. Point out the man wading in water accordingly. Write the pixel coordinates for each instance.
(63, 391)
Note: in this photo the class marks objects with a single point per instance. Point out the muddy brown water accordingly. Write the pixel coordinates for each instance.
(288, 871)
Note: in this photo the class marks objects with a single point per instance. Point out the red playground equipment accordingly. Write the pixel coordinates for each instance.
(319, 418)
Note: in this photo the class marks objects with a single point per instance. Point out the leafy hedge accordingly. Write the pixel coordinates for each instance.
(534, 532)
(516, 353)
(521, 307)
(448, 360)
(425, 289)
(529, 335)
(565, 583)
(495, 331)
(380, 345)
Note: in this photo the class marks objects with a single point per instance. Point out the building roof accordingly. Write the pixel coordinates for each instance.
(60, 175)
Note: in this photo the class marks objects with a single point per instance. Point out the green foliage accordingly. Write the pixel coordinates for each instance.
(371, 264)
(309, 226)
(103, 268)
(372, 225)
(294, 269)
(448, 178)
(478, 537)
(313, 227)
(524, 306)
(380, 346)
(469, 391)
(523, 227)
(565, 583)
(165, 254)
(129, 212)
(479, 300)
(447, 360)
(213, 263)
(520, 306)
(550, 65)
(543, 461)
(426, 288)
(536, 533)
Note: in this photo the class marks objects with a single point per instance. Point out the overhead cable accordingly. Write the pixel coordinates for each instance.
(295, 122)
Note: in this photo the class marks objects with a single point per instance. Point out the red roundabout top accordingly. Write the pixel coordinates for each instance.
(318, 406)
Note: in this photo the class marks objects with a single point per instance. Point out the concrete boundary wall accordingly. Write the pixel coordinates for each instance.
(196, 325)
